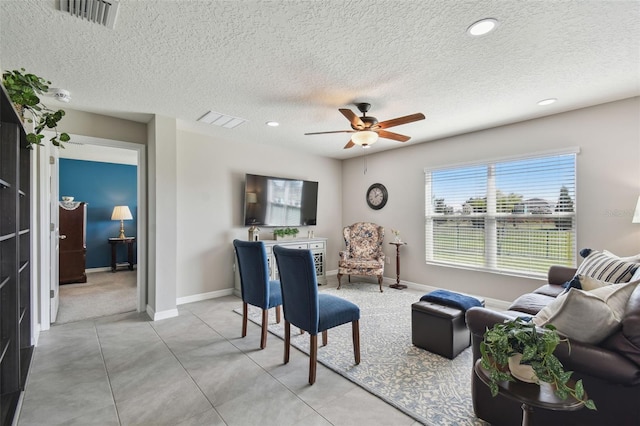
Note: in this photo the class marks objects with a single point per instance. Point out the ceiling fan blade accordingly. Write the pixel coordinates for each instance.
(335, 131)
(349, 145)
(395, 136)
(400, 120)
(355, 121)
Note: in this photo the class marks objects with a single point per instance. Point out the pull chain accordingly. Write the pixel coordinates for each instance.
(364, 161)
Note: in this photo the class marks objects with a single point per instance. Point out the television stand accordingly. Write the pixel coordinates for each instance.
(318, 247)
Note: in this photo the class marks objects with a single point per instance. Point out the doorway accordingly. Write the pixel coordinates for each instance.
(97, 187)
(105, 291)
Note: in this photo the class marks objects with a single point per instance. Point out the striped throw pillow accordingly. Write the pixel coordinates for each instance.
(606, 268)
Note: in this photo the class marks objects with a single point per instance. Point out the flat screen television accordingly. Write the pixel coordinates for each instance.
(276, 201)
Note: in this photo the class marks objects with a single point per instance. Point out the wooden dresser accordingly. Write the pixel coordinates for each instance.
(73, 247)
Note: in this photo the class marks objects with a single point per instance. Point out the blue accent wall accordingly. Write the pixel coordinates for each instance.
(102, 186)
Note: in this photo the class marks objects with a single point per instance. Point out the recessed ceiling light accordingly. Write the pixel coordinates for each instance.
(272, 123)
(547, 101)
(482, 27)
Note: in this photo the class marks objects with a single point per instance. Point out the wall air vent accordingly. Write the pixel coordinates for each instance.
(221, 120)
(103, 12)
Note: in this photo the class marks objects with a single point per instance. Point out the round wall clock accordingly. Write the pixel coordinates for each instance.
(377, 196)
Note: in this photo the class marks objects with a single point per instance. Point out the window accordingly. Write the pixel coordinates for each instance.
(512, 216)
(284, 198)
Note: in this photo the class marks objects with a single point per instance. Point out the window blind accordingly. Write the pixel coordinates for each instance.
(511, 216)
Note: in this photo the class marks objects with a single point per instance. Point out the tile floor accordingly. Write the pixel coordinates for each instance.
(194, 369)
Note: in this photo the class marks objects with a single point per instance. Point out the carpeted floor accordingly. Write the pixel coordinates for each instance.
(432, 389)
(104, 293)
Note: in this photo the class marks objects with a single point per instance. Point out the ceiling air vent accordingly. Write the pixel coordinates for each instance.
(222, 120)
(103, 12)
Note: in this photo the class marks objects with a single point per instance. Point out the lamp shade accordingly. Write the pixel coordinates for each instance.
(364, 138)
(121, 213)
(252, 198)
(636, 214)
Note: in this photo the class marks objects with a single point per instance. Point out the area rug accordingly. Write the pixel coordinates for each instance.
(432, 389)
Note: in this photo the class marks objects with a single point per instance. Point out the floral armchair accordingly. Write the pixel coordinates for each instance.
(363, 253)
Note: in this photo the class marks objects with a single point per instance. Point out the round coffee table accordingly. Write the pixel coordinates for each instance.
(531, 395)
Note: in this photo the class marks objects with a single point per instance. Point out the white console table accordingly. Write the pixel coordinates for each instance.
(318, 247)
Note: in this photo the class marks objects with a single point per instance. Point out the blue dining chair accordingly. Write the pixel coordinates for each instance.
(256, 287)
(305, 308)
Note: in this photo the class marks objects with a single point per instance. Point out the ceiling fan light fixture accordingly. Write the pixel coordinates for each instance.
(364, 138)
(482, 27)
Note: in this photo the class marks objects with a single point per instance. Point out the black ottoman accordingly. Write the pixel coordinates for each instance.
(439, 329)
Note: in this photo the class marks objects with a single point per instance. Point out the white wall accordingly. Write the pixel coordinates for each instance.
(608, 186)
(209, 182)
(210, 199)
(162, 237)
(83, 126)
(102, 126)
(85, 151)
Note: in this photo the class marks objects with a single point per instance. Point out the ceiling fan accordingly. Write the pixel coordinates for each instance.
(367, 129)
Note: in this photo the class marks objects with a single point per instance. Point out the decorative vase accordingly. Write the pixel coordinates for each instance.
(521, 372)
(397, 239)
(20, 110)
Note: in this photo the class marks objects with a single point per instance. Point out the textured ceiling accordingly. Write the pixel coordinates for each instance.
(297, 62)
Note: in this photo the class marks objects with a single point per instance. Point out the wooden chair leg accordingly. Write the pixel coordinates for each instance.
(313, 358)
(278, 314)
(355, 331)
(324, 338)
(380, 282)
(244, 318)
(287, 340)
(349, 278)
(339, 280)
(265, 325)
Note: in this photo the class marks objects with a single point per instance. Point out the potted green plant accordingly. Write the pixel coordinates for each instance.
(23, 89)
(285, 233)
(535, 345)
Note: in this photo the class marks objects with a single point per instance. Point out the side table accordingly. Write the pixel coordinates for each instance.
(114, 245)
(397, 285)
(531, 395)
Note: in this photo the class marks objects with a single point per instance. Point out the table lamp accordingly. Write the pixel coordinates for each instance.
(121, 213)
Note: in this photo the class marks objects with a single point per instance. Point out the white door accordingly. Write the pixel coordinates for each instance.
(55, 233)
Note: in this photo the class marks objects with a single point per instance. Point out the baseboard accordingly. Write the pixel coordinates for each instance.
(496, 304)
(156, 316)
(16, 415)
(204, 296)
(492, 303)
(90, 270)
(35, 334)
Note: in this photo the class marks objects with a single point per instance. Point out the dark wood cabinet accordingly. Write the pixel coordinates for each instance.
(15, 251)
(73, 247)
